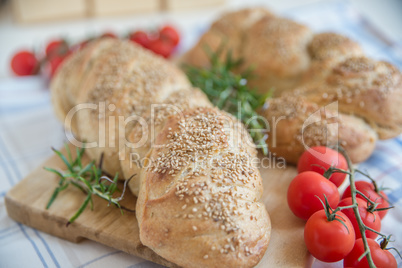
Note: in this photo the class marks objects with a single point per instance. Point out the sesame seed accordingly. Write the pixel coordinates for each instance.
(198, 148)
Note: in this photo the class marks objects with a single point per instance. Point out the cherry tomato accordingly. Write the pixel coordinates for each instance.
(168, 33)
(141, 38)
(367, 188)
(160, 47)
(329, 241)
(304, 190)
(24, 63)
(56, 48)
(319, 159)
(370, 219)
(382, 258)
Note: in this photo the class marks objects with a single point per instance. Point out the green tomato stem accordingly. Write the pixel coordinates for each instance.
(362, 226)
(365, 197)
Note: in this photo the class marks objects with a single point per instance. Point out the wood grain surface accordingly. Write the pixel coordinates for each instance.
(105, 224)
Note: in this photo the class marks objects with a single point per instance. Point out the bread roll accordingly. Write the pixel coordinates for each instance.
(197, 189)
(297, 124)
(319, 70)
(369, 89)
(121, 80)
(199, 196)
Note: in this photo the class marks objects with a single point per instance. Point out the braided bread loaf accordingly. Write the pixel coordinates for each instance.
(197, 189)
(314, 77)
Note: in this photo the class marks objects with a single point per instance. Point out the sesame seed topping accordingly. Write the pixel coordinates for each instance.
(211, 178)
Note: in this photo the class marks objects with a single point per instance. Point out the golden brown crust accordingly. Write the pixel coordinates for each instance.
(297, 124)
(276, 49)
(369, 89)
(332, 46)
(227, 32)
(203, 185)
(326, 50)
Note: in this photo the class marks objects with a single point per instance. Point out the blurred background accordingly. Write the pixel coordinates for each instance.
(32, 24)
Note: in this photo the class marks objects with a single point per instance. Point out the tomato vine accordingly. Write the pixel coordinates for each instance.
(362, 227)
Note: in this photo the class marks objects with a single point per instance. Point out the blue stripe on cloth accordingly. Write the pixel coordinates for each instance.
(16, 171)
(395, 195)
(33, 244)
(398, 141)
(99, 258)
(396, 170)
(47, 248)
(375, 158)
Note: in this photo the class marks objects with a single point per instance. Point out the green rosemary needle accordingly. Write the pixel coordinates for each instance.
(230, 92)
(89, 179)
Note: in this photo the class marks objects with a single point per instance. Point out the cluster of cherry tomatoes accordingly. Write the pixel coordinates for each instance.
(330, 235)
(162, 42)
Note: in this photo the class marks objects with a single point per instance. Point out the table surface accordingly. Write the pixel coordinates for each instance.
(28, 127)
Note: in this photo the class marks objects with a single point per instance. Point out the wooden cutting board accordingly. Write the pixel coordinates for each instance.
(26, 204)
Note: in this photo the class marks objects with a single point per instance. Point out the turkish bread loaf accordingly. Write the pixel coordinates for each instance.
(198, 190)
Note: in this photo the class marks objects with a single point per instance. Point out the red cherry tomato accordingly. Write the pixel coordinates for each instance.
(370, 219)
(367, 188)
(329, 241)
(141, 38)
(168, 33)
(56, 48)
(382, 258)
(319, 159)
(304, 190)
(24, 63)
(160, 47)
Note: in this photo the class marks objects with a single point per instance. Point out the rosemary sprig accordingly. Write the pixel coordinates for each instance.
(230, 92)
(89, 179)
